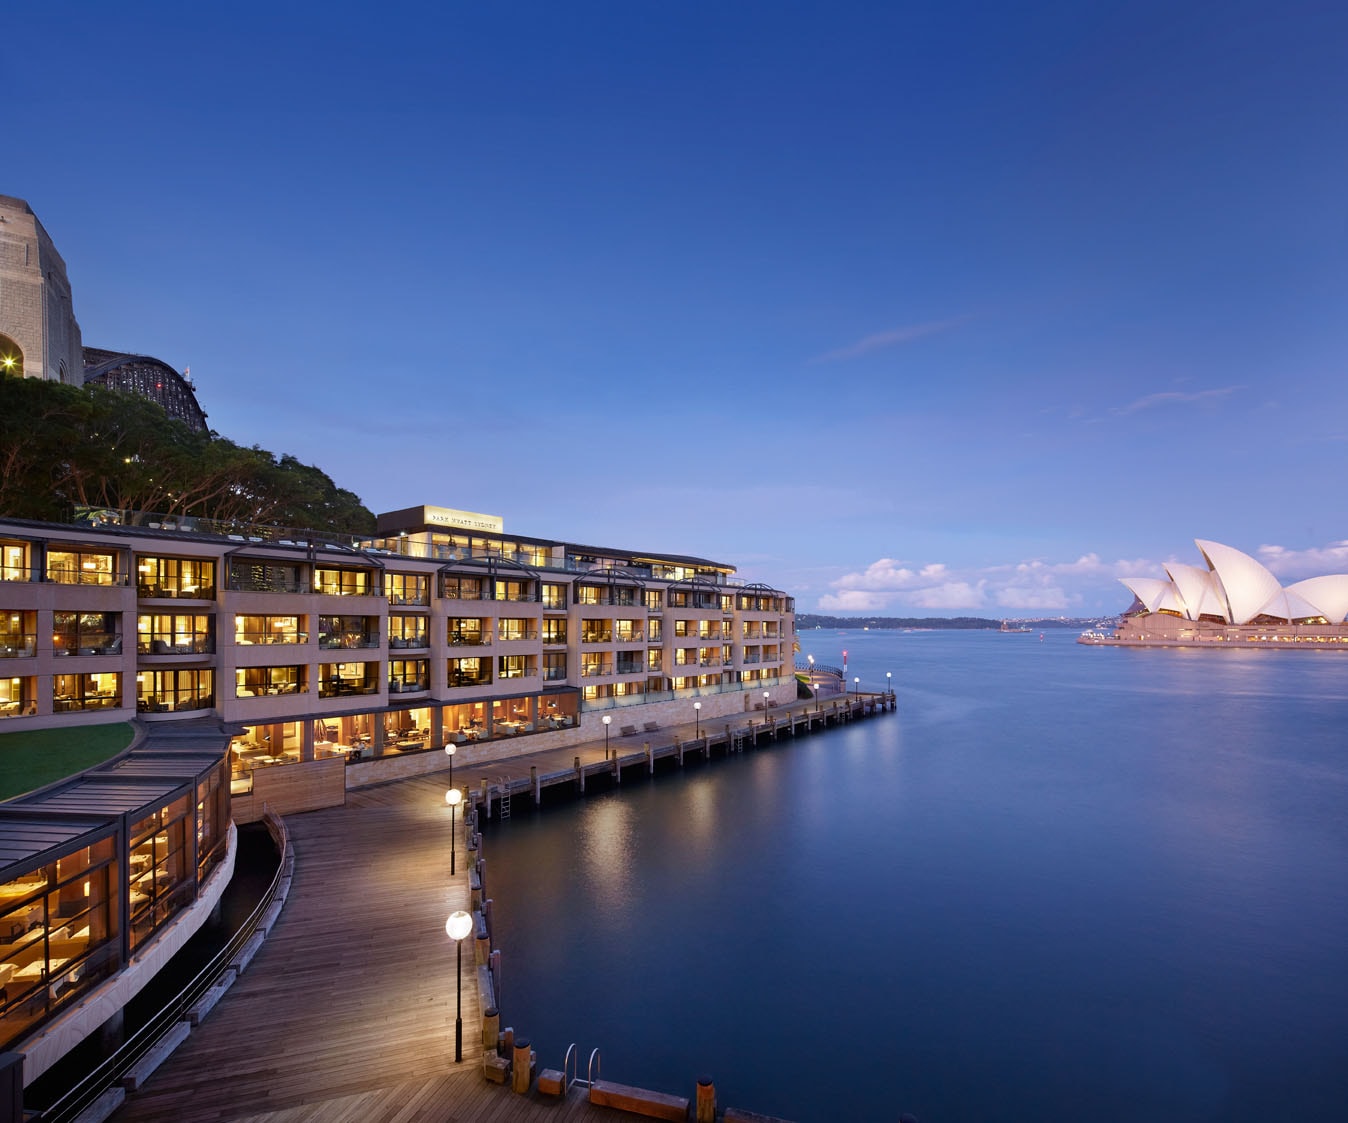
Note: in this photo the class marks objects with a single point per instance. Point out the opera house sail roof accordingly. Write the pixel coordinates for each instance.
(1237, 589)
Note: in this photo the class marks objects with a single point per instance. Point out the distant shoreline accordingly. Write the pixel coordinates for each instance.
(810, 621)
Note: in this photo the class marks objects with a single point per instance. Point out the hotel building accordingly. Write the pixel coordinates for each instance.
(329, 663)
(343, 661)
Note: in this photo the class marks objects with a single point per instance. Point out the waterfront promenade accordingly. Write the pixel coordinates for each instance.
(347, 1011)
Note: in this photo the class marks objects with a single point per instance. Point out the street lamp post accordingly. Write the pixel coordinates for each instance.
(607, 721)
(449, 752)
(766, 695)
(453, 797)
(457, 927)
(856, 688)
(889, 683)
(697, 721)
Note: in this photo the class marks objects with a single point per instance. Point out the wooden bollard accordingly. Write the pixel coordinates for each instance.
(706, 1100)
(475, 896)
(580, 777)
(491, 1029)
(533, 783)
(650, 759)
(482, 949)
(494, 966)
(521, 1068)
(486, 796)
(507, 1043)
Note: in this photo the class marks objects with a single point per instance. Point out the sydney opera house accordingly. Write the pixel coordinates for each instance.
(1234, 601)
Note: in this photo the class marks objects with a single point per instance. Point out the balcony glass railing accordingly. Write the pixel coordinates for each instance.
(465, 678)
(76, 575)
(676, 695)
(175, 645)
(161, 590)
(268, 584)
(347, 642)
(421, 639)
(17, 645)
(95, 643)
(341, 688)
(270, 637)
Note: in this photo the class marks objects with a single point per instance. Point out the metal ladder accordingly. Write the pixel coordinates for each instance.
(504, 803)
(571, 1077)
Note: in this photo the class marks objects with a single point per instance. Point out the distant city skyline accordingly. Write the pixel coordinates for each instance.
(906, 309)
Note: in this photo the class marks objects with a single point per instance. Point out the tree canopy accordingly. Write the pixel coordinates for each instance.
(63, 447)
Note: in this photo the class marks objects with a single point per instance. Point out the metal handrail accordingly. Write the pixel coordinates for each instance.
(593, 1070)
(569, 1068)
(82, 1094)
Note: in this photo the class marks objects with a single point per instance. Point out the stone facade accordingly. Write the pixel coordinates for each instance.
(39, 336)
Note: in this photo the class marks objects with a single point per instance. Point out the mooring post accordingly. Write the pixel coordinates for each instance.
(491, 1029)
(580, 777)
(650, 759)
(521, 1068)
(482, 949)
(533, 780)
(486, 796)
(706, 1100)
(494, 965)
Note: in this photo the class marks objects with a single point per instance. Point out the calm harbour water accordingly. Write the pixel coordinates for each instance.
(1062, 883)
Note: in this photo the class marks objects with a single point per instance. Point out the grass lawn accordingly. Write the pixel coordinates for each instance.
(34, 757)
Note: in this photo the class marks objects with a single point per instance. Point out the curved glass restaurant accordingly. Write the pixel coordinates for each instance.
(95, 872)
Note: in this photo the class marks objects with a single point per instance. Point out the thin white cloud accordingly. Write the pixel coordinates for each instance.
(882, 339)
(1318, 561)
(1174, 397)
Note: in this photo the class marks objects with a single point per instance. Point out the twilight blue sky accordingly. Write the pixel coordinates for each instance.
(934, 308)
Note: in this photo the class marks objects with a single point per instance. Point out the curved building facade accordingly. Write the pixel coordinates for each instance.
(1236, 599)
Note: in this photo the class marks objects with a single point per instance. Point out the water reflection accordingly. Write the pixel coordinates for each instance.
(1063, 883)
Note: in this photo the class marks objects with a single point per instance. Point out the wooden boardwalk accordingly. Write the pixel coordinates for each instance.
(347, 1011)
